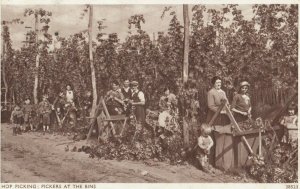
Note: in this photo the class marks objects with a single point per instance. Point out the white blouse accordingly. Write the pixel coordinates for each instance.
(70, 96)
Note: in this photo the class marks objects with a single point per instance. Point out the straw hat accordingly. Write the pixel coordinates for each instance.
(244, 83)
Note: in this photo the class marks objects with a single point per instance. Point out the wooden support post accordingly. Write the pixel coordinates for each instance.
(108, 116)
(259, 145)
(186, 43)
(186, 136)
(93, 121)
(234, 123)
(217, 113)
(124, 124)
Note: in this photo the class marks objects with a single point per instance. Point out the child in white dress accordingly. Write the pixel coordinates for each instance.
(205, 143)
(290, 123)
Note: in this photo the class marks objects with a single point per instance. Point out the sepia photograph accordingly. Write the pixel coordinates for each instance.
(149, 93)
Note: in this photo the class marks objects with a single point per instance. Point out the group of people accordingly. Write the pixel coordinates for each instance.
(241, 108)
(27, 116)
(129, 99)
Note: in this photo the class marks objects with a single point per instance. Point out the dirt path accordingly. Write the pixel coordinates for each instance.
(33, 157)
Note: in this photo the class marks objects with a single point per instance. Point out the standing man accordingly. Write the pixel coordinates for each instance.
(138, 103)
(127, 93)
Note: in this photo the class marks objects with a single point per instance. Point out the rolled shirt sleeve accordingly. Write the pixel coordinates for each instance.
(141, 96)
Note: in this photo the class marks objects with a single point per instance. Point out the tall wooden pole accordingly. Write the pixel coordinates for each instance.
(185, 72)
(37, 61)
(93, 74)
(186, 43)
(4, 55)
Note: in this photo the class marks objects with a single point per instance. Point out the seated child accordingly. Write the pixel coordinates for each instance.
(45, 111)
(290, 123)
(17, 118)
(205, 142)
(28, 110)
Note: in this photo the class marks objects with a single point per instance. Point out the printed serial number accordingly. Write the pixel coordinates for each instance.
(292, 186)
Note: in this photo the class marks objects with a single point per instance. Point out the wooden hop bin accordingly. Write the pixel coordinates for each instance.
(231, 152)
(232, 145)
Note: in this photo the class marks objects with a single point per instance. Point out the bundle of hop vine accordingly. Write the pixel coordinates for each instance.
(280, 165)
(168, 149)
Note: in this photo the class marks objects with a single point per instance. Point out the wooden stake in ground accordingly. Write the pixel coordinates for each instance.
(108, 116)
(37, 61)
(93, 74)
(186, 43)
(3, 64)
(186, 136)
(260, 142)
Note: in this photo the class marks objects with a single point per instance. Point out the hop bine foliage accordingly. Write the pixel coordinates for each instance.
(279, 165)
(169, 150)
(238, 51)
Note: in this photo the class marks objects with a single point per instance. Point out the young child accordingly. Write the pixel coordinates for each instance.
(205, 142)
(290, 123)
(28, 110)
(45, 110)
(17, 118)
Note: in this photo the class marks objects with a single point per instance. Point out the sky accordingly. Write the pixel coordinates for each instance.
(66, 18)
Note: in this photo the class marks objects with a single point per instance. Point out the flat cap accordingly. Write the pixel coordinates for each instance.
(134, 83)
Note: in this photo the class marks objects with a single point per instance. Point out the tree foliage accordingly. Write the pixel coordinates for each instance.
(263, 50)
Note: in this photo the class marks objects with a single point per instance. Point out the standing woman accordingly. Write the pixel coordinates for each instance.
(241, 105)
(214, 98)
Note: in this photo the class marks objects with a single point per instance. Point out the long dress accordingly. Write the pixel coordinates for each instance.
(214, 98)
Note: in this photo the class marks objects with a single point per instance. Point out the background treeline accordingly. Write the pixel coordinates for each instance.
(263, 50)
